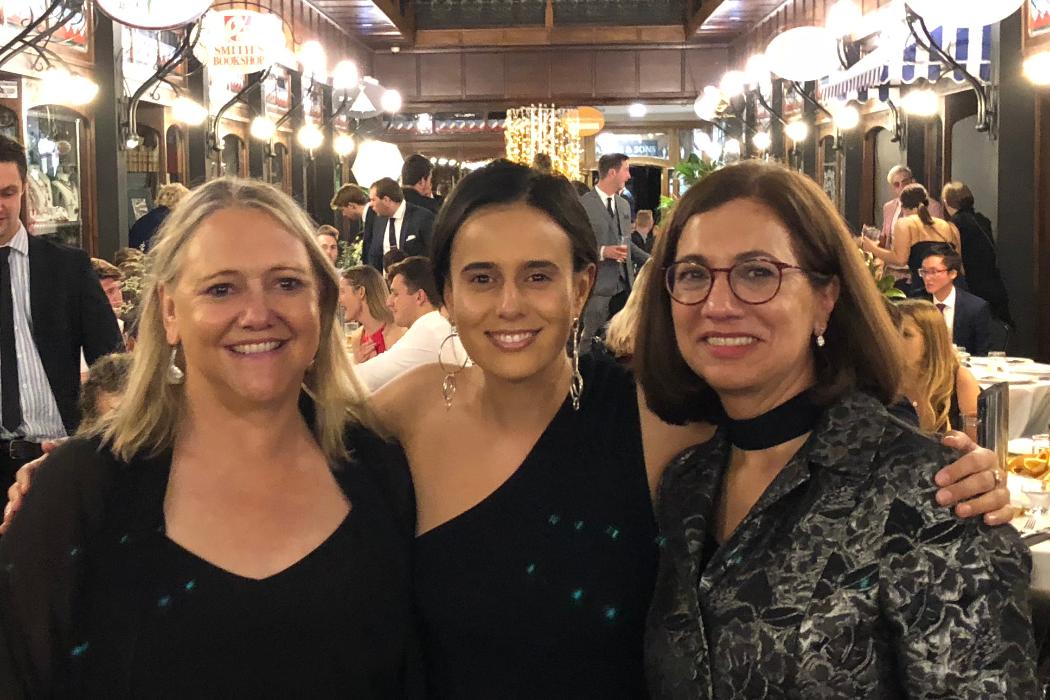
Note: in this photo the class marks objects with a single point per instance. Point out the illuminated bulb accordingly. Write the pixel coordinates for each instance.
(453, 162)
(263, 128)
(310, 137)
(713, 150)
(188, 111)
(706, 106)
(732, 147)
(797, 131)
(132, 143)
(1037, 68)
(843, 18)
(702, 140)
(637, 110)
(433, 160)
(81, 90)
(847, 117)
(733, 83)
(757, 69)
(390, 101)
(923, 102)
(442, 161)
(59, 86)
(345, 76)
(312, 58)
(762, 140)
(343, 145)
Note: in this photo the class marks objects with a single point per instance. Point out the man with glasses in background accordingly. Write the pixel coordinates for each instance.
(899, 177)
(968, 317)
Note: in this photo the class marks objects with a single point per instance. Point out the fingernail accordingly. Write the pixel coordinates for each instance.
(991, 520)
(941, 479)
(964, 510)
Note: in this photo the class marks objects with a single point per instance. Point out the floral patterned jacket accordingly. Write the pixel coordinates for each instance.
(846, 579)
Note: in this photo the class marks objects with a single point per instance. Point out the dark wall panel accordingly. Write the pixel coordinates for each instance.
(484, 74)
(659, 72)
(441, 75)
(704, 67)
(572, 74)
(617, 73)
(527, 74)
(398, 71)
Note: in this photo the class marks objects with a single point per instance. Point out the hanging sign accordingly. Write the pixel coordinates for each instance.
(240, 41)
(154, 14)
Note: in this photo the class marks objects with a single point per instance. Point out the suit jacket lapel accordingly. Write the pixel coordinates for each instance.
(404, 228)
(38, 273)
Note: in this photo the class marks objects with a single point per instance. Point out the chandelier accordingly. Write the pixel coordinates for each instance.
(545, 129)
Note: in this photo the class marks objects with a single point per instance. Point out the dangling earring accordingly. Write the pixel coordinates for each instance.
(174, 374)
(448, 384)
(576, 387)
(820, 340)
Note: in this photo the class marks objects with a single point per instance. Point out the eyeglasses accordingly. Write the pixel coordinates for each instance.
(931, 271)
(752, 282)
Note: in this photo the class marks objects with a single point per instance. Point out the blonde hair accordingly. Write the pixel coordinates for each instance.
(170, 195)
(148, 417)
(376, 291)
(934, 376)
(619, 335)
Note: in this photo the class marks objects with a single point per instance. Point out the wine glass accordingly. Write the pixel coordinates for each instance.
(1038, 497)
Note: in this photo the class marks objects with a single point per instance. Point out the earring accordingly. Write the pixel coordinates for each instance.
(576, 387)
(448, 384)
(820, 340)
(175, 375)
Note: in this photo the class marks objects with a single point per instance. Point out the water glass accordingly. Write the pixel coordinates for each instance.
(1040, 442)
(1039, 501)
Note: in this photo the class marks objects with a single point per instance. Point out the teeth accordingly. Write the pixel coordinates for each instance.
(512, 337)
(739, 340)
(253, 348)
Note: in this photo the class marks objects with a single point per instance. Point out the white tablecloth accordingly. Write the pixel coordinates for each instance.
(1029, 392)
(1041, 567)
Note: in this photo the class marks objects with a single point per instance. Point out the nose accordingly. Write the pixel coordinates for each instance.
(256, 312)
(510, 301)
(721, 302)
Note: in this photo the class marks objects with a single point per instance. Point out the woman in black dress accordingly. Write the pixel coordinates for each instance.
(805, 553)
(228, 532)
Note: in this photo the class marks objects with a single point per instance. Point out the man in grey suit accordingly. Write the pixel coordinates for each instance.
(618, 258)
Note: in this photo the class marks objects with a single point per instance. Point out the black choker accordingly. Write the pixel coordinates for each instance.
(794, 417)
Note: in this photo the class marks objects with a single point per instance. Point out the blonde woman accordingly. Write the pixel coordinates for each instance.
(213, 537)
(943, 392)
(362, 295)
(620, 333)
(143, 230)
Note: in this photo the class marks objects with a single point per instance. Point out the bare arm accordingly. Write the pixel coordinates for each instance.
(662, 441)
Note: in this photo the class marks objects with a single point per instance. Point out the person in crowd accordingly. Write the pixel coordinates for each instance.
(533, 469)
(902, 409)
(398, 224)
(913, 235)
(112, 281)
(542, 162)
(391, 258)
(352, 203)
(415, 306)
(328, 239)
(126, 256)
(798, 540)
(52, 307)
(417, 182)
(145, 228)
(622, 328)
(150, 559)
(104, 388)
(967, 317)
(943, 392)
(610, 217)
(899, 177)
(983, 277)
(363, 298)
(643, 235)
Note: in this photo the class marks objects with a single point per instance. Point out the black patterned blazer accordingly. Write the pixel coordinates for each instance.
(846, 579)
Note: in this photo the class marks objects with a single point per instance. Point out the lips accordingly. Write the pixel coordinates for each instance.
(512, 340)
(257, 348)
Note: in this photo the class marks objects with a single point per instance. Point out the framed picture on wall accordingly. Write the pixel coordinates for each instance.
(1037, 17)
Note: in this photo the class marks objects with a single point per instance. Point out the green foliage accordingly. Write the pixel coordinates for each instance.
(349, 254)
(884, 282)
(694, 169)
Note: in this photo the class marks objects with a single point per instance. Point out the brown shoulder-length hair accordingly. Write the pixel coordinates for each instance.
(862, 348)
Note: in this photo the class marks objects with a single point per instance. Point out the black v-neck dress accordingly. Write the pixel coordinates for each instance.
(541, 590)
(96, 601)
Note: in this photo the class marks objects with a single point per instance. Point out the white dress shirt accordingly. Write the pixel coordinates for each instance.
(40, 417)
(948, 310)
(399, 221)
(418, 346)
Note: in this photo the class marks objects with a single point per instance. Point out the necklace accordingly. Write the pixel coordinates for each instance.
(796, 416)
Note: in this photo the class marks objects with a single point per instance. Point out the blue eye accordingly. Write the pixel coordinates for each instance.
(290, 284)
(219, 290)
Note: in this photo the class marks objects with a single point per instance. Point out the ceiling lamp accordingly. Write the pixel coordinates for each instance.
(345, 76)
(757, 69)
(797, 131)
(964, 13)
(803, 54)
(312, 58)
(377, 159)
(762, 140)
(843, 18)
(733, 83)
(310, 137)
(732, 148)
(701, 139)
(263, 128)
(1037, 68)
(59, 86)
(390, 101)
(637, 110)
(713, 150)
(188, 111)
(707, 104)
(846, 118)
(343, 145)
(922, 102)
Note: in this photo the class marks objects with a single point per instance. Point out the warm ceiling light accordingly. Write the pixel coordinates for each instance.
(343, 145)
(847, 117)
(59, 86)
(797, 131)
(964, 13)
(922, 102)
(732, 147)
(345, 76)
(188, 111)
(1037, 68)
(312, 58)
(132, 143)
(390, 101)
(762, 141)
(263, 128)
(757, 69)
(637, 110)
(803, 54)
(843, 18)
(733, 83)
(713, 150)
(442, 161)
(701, 139)
(310, 137)
(707, 104)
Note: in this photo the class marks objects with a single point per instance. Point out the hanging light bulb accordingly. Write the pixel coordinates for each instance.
(344, 145)
(732, 148)
(733, 83)
(762, 140)
(713, 150)
(390, 101)
(757, 69)
(132, 142)
(637, 110)
(797, 131)
(345, 76)
(922, 102)
(846, 117)
(312, 58)
(82, 90)
(59, 86)
(310, 137)
(701, 139)
(188, 111)
(803, 53)
(263, 128)
(843, 18)
(1037, 68)
(707, 104)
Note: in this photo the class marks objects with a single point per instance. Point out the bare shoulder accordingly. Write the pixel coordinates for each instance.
(401, 401)
(662, 441)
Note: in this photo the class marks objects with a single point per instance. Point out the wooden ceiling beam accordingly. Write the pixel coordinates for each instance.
(699, 11)
(502, 37)
(402, 14)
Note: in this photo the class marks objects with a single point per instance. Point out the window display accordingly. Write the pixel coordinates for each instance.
(54, 136)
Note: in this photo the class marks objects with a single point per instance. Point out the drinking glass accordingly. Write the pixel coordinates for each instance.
(1038, 497)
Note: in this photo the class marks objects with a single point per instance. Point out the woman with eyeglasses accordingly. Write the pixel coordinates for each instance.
(804, 552)
(914, 234)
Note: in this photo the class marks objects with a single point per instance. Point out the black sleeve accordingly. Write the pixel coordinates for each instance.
(982, 329)
(387, 466)
(41, 563)
(100, 334)
(426, 230)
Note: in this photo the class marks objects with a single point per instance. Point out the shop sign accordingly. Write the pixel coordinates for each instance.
(242, 41)
(154, 14)
(9, 89)
(1038, 17)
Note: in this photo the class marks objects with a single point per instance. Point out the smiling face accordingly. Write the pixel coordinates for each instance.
(247, 316)
(11, 187)
(514, 304)
(754, 356)
(352, 299)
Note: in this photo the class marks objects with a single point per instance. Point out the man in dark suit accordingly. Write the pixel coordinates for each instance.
(417, 183)
(52, 307)
(619, 258)
(351, 201)
(398, 225)
(968, 317)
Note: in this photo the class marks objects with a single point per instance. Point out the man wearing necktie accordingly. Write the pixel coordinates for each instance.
(399, 225)
(619, 258)
(52, 307)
